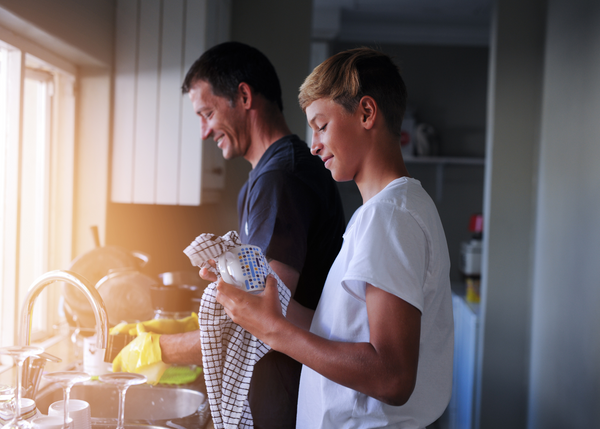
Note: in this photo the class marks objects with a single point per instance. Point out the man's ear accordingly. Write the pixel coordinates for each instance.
(245, 95)
(368, 110)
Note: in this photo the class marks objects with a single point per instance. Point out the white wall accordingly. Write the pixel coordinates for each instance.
(565, 348)
(91, 156)
(512, 128)
(540, 356)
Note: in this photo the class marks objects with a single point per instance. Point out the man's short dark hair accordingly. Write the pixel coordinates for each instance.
(227, 65)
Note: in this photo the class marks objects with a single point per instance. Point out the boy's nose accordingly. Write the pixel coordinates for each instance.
(316, 147)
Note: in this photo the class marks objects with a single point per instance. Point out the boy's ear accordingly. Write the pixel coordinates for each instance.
(245, 95)
(368, 110)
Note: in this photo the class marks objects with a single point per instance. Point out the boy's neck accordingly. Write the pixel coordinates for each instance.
(384, 165)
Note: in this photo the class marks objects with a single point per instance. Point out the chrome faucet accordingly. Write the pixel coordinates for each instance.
(32, 372)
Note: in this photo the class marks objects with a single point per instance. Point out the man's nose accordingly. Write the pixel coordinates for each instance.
(205, 129)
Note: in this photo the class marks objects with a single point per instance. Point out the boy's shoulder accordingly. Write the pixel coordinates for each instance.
(402, 197)
(400, 192)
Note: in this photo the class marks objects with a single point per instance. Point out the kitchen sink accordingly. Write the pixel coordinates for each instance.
(107, 425)
(146, 406)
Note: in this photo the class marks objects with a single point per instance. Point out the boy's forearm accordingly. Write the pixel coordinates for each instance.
(358, 366)
(182, 349)
(384, 368)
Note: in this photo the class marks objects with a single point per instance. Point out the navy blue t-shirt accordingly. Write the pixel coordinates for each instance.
(290, 207)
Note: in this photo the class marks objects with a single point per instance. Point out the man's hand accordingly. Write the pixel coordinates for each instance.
(258, 314)
(209, 275)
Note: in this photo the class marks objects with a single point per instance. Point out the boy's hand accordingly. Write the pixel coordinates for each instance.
(257, 314)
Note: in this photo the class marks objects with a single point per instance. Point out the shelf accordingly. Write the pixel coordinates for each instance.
(444, 160)
(440, 162)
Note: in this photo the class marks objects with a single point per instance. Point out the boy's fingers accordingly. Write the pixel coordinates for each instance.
(271, 281)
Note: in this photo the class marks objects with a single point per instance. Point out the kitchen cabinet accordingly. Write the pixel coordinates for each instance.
(158, 156)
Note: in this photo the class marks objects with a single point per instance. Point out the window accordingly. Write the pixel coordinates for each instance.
(37, 109)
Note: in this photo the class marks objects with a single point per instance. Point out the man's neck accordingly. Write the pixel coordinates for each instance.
(265, 132)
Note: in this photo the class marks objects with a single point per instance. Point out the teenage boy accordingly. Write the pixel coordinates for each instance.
(289, 207)
(377, 352)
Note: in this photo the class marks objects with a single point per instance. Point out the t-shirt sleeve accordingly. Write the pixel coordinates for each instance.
(390, 252)
(278, 218)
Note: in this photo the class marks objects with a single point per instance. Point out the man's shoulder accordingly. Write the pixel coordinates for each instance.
(289, 155)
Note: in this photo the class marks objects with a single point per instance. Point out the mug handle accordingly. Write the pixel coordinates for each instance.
(223, 261)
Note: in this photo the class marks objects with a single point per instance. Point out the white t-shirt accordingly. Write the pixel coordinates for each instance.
(394, 242)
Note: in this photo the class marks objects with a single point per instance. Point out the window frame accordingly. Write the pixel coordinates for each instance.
(18, 62)
(10, 156)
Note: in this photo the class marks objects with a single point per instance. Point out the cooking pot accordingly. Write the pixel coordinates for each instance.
(126, 294)
(94, 266)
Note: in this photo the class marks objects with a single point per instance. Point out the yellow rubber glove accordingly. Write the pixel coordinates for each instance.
(143, 355)
(159, 326)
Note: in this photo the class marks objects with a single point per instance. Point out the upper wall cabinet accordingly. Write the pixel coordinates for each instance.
(158, 156)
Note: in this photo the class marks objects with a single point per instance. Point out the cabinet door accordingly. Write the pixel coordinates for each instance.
(158, 156)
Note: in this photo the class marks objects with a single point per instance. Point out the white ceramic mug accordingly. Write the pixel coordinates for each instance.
(79, 411)
(244, 266)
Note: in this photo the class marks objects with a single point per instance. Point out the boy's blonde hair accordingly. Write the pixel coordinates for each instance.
(348, 76)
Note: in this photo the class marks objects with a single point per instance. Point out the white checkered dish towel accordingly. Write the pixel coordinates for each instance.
(229, 352)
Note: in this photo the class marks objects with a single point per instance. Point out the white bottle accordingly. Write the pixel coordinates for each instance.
(93, 358)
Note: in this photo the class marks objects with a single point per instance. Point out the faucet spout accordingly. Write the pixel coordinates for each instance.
(79, 282)
(34, 367)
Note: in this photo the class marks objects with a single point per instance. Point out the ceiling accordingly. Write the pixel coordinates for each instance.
(454, 22)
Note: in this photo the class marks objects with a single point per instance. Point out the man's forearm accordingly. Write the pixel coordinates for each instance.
(181, 349)
(299, 315)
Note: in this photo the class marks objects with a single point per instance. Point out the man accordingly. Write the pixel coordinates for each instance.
(378, 349)
(289, 207)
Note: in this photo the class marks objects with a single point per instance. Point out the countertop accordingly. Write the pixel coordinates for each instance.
(71, 355)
